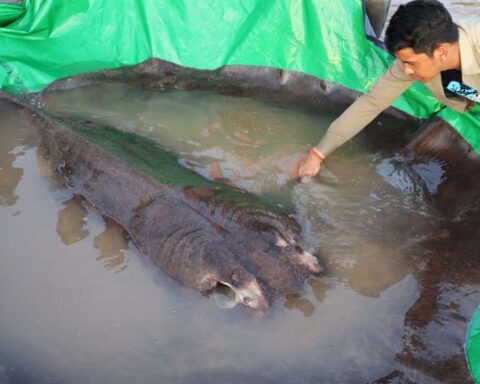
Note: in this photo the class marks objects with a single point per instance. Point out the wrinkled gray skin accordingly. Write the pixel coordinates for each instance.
(197, 243)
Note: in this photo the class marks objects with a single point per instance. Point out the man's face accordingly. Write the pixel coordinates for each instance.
(420, 66)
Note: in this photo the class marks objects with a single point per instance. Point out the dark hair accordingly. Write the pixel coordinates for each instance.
(421, 25)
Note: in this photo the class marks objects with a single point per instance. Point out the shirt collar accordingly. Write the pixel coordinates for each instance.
(470, 65)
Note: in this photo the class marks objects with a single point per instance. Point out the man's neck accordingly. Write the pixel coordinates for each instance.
(454, 60)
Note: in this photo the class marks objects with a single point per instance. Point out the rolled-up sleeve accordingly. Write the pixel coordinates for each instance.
(368, 106)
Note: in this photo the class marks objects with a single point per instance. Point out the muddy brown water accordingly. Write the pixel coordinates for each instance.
(78, 302)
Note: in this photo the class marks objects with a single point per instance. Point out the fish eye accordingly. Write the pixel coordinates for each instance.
(247, 300)
(298, 250)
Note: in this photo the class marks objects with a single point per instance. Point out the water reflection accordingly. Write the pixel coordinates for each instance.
(71, 221)
(298, 302)
(320, 287)
(48, 171)
(112, 244)
(10, 175)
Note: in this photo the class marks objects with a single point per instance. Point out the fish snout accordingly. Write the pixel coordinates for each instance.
(247, 291)
(302, 257)
(306, 259)
(252, 297)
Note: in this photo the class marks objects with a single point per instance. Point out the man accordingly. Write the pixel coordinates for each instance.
(429, 47)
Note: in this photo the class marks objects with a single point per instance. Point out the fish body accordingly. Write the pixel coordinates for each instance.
(203, 235)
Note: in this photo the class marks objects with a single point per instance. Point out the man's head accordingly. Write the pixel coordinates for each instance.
(423, 36)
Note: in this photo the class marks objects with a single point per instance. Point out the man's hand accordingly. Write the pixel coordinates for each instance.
(309, 166)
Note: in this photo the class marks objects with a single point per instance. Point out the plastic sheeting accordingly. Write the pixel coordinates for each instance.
(54, 39)
(473, 346)
(10, 12)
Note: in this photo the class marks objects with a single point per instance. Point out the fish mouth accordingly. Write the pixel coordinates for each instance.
(249, 296)
(224, 296)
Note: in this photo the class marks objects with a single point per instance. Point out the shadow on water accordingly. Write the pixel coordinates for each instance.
(80, 304)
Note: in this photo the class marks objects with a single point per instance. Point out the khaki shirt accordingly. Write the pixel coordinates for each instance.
(394, 82)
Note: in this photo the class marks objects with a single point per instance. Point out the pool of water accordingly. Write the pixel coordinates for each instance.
(78, 302)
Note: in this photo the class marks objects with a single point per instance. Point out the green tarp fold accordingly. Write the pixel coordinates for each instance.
(10, 12)
(54, 39)
(473, 345)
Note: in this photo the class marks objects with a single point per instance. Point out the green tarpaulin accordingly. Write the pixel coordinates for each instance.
(473, 346)
(10, 12)
(54, 39)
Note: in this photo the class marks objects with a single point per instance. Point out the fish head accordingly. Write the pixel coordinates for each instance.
(247, 291)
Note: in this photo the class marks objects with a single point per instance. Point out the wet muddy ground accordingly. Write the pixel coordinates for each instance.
(78, 302)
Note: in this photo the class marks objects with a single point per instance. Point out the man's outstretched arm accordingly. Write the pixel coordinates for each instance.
(368, 106)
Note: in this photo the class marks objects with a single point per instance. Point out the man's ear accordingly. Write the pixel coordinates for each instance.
(441, 52)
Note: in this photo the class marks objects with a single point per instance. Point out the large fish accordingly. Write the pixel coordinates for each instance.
(202, 234)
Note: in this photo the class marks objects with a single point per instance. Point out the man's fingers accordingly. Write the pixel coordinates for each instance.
(308, 166)
(301, 171)
(305, 179)
(304, 172)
